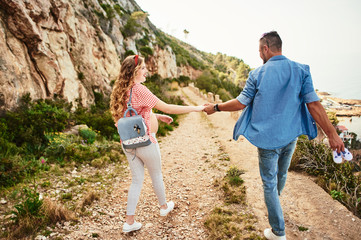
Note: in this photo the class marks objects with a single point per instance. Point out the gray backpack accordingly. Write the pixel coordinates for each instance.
(132, 130)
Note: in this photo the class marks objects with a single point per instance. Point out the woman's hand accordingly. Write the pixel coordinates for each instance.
(198, 108)
(164, 118)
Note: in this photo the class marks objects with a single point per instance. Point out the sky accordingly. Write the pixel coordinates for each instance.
(325, 34)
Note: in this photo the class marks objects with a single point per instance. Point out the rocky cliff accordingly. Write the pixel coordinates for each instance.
(71, 48)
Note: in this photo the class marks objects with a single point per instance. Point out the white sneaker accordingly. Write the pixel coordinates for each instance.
(170, 206)
(346, 155)
(270, 235)
(337, 158)
(134, 227)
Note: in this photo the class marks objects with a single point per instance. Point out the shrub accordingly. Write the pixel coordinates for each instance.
(81, 76)
(130, 28)
(108, 10)
(119, 10)
(58, 143)
(11, 171)
(81, 153)
(88, 135)
(30, 205)
(98, 117)
(210, 82)
(24, 127)
(128, 53)
(146, 51)
(7, 148)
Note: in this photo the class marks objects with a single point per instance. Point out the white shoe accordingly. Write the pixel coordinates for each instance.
(134, 227)
(170, 206)
(337, 158)
(270, 235)
(346, 155)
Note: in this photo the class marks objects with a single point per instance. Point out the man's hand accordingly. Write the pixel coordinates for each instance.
(209, 108)
(164, 118)
(336, 143)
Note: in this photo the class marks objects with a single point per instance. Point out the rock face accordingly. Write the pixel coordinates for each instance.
(71, 48)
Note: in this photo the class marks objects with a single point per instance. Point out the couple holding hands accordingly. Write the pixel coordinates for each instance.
(279, 104)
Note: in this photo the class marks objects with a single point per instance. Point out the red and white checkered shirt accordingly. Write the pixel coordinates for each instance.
(143, 100)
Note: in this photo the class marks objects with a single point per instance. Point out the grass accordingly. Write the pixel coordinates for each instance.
(89, 199)
(232, 220)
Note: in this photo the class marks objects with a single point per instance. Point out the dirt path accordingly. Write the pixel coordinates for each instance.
(190, 161)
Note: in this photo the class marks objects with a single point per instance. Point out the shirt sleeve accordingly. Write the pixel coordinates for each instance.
(249, 91)
(308, 93)
(146, 97)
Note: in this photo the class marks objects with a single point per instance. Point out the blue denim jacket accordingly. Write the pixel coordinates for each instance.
(275, 96)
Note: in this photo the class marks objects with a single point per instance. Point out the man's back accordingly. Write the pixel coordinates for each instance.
(275, 94)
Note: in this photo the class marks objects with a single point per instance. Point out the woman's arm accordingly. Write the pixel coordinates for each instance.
(177, 109)
(164, 118)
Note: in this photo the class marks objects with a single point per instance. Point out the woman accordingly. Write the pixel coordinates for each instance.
(132, 74)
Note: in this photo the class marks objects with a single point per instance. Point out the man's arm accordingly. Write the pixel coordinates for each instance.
(229, 106)
(319, 114)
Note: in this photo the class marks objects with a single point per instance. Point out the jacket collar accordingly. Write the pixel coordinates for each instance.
(276, 58)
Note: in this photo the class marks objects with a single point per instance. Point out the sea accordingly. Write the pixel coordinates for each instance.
(352, 123)
(352, 90)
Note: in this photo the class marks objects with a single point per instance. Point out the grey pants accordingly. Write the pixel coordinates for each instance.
(150, 157)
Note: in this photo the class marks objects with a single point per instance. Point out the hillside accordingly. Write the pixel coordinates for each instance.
(71, 49)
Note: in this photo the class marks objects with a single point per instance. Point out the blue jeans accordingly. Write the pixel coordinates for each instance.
(273, 166)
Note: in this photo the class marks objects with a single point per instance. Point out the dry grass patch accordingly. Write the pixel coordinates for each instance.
(89, 199)
(56, 212)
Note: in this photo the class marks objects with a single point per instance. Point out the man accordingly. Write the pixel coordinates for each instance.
(280, 105)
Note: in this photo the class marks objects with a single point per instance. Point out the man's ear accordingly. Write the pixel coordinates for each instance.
(266, 48)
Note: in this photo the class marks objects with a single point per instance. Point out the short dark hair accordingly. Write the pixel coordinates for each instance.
(272, 40)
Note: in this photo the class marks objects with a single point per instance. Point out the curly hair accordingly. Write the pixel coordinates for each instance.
(123, 84)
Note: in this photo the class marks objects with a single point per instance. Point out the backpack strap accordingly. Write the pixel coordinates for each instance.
(130, 109)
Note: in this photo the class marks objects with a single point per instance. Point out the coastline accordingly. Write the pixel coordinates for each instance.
(342, 107)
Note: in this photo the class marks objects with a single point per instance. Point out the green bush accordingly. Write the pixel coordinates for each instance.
(146, 51)
(143, 42)
(130, 28)
(128, 53)
(11, 171)
(108, 10)
(119, 10)
(88, 135)
(98, 117)
(28, 123)
(7, 148)
(30, 206)
(210, 82)
(58, 142)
